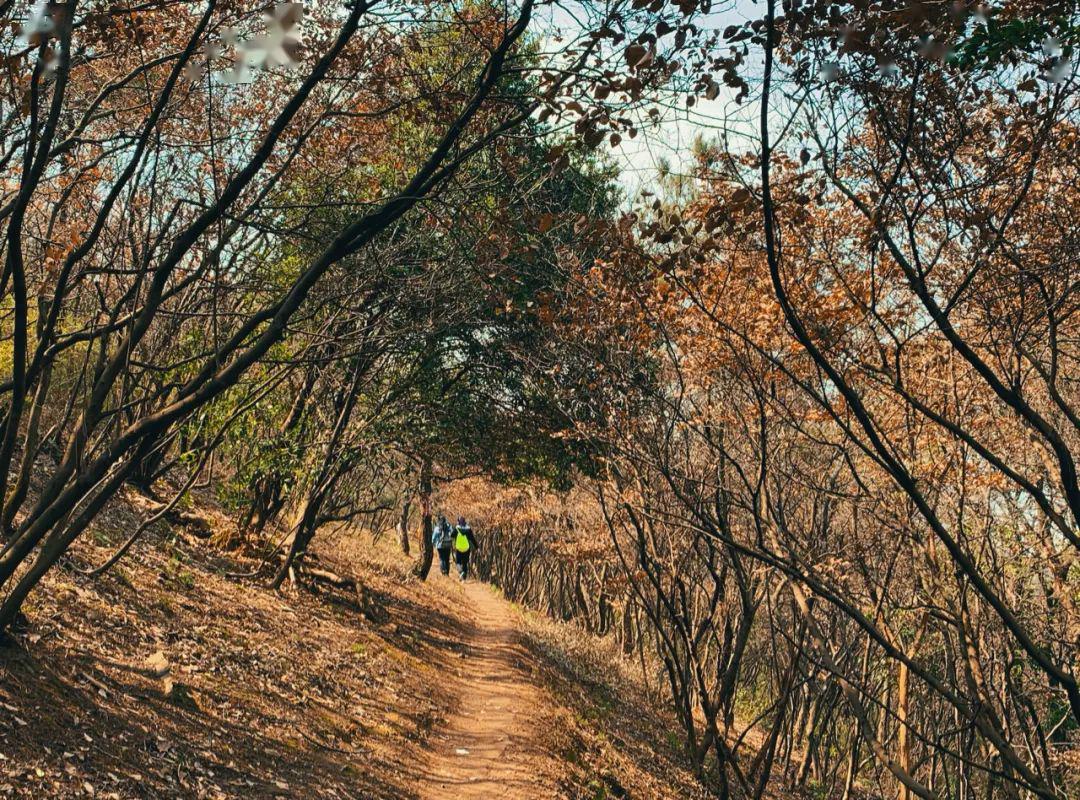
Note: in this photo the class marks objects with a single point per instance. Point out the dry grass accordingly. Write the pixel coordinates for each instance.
(306, 694)
(272, 691)
(614, 741)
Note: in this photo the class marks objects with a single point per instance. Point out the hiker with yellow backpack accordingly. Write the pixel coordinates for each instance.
(464, 544)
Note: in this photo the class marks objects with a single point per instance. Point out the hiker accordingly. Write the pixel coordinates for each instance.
(442, 538)
(464, 544)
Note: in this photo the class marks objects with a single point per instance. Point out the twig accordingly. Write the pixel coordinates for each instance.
(325, 746)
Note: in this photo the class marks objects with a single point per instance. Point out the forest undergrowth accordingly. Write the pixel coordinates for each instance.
(170, 677)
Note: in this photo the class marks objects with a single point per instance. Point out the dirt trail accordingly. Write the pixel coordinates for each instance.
(489, 747)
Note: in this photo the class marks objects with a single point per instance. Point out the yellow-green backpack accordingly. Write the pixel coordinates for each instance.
(461, 542)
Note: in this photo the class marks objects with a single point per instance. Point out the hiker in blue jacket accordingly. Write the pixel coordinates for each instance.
(442, 539)
(464, 544)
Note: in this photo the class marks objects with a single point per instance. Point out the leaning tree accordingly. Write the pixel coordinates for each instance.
(150, 147)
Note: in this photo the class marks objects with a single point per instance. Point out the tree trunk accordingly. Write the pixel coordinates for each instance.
(30, 449)
(144, 473)
(903, 713)
(403, 525)
(305, 531)
(903, 744)
(427, 552)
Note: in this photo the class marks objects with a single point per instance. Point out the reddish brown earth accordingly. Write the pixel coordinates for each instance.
(170, 677)
(492, 745)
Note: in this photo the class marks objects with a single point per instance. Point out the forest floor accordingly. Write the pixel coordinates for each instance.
(174, 676)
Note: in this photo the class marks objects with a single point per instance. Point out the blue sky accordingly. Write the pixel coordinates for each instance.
(670, 141)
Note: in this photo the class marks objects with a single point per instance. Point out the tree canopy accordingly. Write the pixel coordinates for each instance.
(796, 420)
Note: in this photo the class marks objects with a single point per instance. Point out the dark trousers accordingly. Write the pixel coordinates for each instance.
(462, 560)
(444, 560)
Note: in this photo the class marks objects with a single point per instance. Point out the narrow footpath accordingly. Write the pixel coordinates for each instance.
(489, 748)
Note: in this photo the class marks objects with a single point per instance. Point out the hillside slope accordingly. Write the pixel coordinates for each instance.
(172, 677)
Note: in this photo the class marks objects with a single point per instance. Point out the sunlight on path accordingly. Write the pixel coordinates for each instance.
(488, 749)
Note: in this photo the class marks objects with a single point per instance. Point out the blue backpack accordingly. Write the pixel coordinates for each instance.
(444, 537)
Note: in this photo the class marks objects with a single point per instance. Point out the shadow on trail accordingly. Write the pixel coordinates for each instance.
(490, 747)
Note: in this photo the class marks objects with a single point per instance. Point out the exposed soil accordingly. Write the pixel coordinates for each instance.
(491, 746)
(170, 677)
